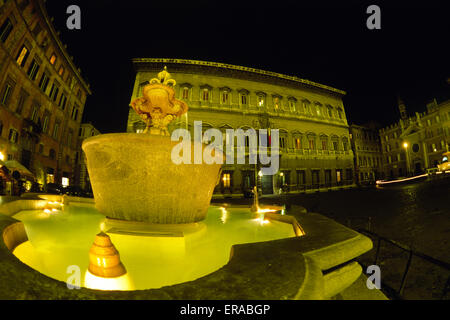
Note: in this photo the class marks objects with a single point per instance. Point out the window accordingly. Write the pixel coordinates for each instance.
(324, 145)
(312, 144)
(243, 99)
(7, 91)
(52, 155)
(43, 83)
(225, 97)
(282, 142)
(261, 100)
(318, 110)
(292, 105)
(330, 112)
(41, 148)
(53, 59)
(345, 144)
(398, 157)
(45, 123)
(335, 145)
(298, 143)
(74, 112)
(340, 113)
(56, 131)
(205, 95)
(276, 103)
(62, 101)
(34, 113)
(185, 93)
(22, 56)
(33, 70)
(5, 30)
(61, 71)
(54, 91)
(226, 180)
(13, 135)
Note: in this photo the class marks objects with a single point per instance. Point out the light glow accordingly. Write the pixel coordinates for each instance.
(405, 145)
(224, 215)
(401, 180)
(119, 283)
(2, 157)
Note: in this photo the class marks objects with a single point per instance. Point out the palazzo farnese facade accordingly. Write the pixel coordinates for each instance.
(314, 139)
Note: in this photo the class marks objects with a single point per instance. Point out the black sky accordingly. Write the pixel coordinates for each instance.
(327, 42)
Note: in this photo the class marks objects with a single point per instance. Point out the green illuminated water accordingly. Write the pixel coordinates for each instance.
(63, 238)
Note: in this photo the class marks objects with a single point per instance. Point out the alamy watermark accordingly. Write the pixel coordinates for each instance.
(267, 149)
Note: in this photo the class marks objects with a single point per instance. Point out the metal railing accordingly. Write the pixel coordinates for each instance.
(411, 253)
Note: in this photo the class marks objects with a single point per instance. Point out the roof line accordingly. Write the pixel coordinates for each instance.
(235, 67)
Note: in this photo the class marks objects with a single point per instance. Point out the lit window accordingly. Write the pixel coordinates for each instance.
(61, 71)
(318, 110)
(276, 103)
(298, 144)
(22, 56)
(260, 101)
(50, 178)
(226, 180)
(65, 181)
(53, 59)
(324, 145)
(312, 144)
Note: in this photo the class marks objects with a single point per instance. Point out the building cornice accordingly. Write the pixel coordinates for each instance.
(61, 47)
(142, 63)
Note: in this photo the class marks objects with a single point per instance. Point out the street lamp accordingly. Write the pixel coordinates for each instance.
(405, 145)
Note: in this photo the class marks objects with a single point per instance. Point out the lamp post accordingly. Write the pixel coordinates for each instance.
(405, 145)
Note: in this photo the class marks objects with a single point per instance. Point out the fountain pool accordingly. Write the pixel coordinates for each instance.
(62, 238)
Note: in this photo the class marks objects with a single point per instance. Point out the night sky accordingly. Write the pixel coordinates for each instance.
(326, 42)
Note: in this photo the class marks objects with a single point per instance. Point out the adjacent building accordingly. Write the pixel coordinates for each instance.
(366, 147)
(416, 143)
(81, 174)
(313, 131)
(42, 93)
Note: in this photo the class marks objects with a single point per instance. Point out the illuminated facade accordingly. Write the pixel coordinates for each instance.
(366, 147)
(81, 174)
(416, 143)
(42, 93)
(314, 137)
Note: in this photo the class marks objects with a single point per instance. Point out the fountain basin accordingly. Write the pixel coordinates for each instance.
(292, 268)
(134, 178)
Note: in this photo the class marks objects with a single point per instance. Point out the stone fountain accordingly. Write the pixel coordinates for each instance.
(132, 174)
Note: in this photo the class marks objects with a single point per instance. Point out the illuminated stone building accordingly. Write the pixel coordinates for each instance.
(366, 148)
(416, 143)
(81, 174)
(42, 93)
(313, 131)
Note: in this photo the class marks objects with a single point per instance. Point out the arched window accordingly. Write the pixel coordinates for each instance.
(243, 97)
(292, 104)
(185, 91)
(340, 113)
(225, 94)
(205, 93)
(317, 107)
(260, 99)
(330, 111)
